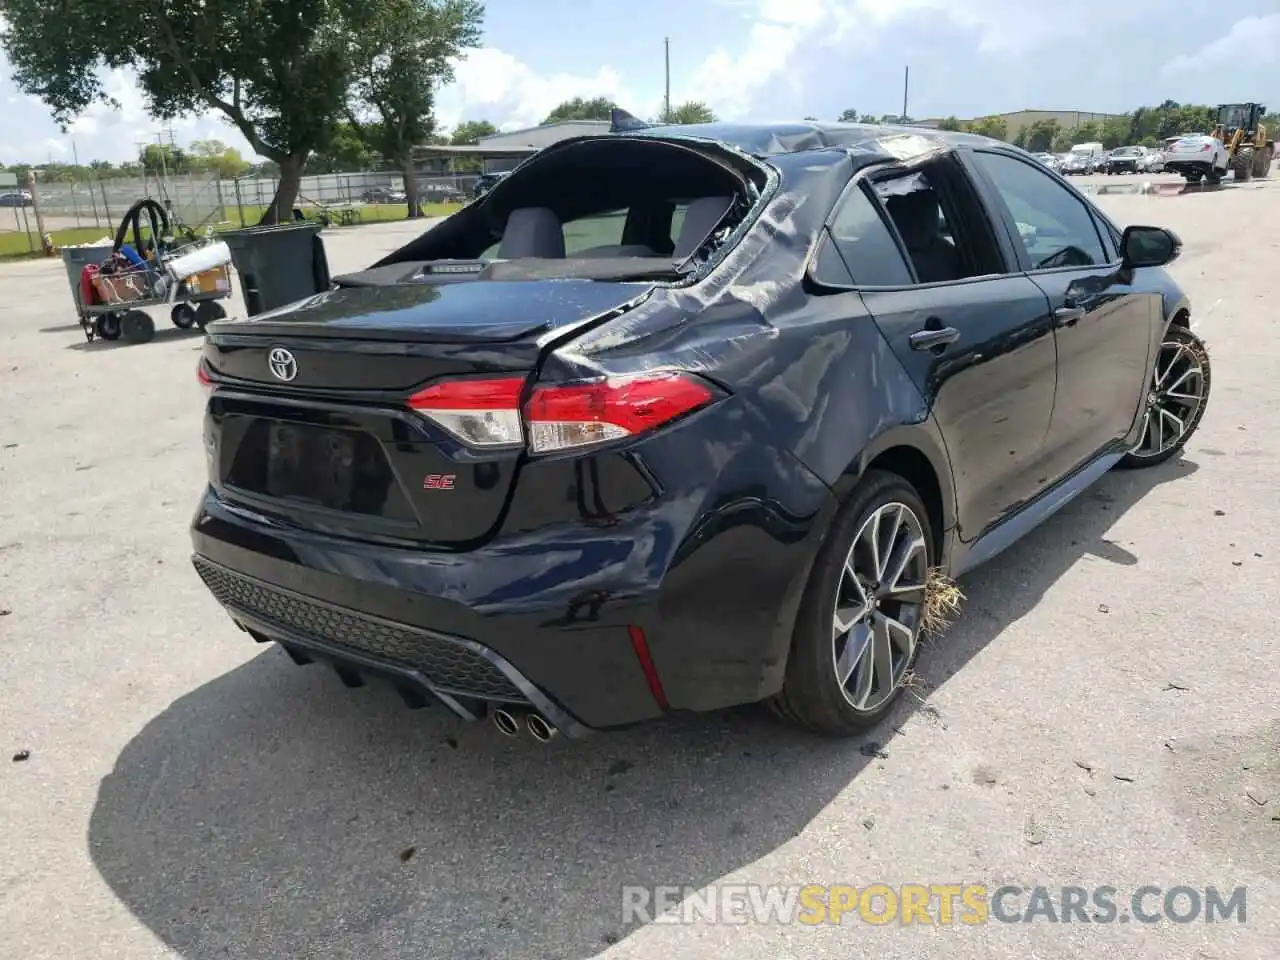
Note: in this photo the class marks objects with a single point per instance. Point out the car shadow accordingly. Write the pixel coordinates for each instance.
(162, 336)
(273, 813)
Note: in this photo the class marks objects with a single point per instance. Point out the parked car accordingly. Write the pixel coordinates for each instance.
(1154, 162)
(1076, 163)
(436, 192)
(486, 182)
(383, 195)
(714, 431)
(1126, 160)
(17, 198)
(1050, 160)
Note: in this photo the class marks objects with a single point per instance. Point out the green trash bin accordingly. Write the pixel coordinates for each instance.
(278, 265)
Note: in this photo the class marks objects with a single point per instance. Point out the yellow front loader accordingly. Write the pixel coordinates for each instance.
(1249, 148)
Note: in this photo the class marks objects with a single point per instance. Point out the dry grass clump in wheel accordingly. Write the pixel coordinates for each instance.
(942, 600)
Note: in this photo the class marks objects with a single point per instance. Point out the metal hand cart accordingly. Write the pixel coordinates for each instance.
(115, 309)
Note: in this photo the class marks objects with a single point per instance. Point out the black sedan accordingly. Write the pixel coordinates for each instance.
(714, 431)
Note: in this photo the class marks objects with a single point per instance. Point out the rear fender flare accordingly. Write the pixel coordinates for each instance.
(923, 438)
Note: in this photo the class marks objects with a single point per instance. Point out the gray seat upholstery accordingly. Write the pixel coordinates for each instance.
(532, 232)
(917, 216)
(700, 218)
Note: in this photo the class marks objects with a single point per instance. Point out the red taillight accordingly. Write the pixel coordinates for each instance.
(1207, 146)
(486, 412)
(561, 417)
(481, 413)
(202, 375)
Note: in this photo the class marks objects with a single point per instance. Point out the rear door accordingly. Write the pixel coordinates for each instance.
(977, 344)
(1103, 325)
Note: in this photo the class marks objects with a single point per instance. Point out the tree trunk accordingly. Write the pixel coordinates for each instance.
(412, 195)
(281, 207)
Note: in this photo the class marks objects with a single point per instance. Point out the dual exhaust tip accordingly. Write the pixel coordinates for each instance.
(537, 726)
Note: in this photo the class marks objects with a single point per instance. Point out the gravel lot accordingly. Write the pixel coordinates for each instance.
(1101, 714)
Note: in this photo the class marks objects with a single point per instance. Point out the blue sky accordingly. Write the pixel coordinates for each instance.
(774, 59)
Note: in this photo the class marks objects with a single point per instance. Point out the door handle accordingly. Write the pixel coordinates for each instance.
(928, 339)
(1068, 316)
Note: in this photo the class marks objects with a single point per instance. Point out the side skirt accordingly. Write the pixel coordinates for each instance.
(999, 539)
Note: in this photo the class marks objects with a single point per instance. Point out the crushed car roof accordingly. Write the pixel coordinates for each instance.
(771, 139)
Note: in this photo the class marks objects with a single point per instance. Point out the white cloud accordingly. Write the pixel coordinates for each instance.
(1257, 38)
(493, 84)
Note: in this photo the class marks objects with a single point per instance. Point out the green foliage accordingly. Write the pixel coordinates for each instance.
(470, 131)
(997, 128)
(950, 123)
(404, 52)
(597, 108)
(693, 111)
(849, 116)
(279, 70)
(344, 152)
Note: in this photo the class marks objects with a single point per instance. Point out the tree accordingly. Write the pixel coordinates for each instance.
(214, 156)
(345, 152)
(161, 158)
(849, 116)
(469, 132)
(1039, 136)
(398, 60)
(994, 127)
(597, 108)
(950, 123)
(694, 111)
(278, 70)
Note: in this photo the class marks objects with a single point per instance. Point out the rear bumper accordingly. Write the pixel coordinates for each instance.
(423, 665)
(545, 621)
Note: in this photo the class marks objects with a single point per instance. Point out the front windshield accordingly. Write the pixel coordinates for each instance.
(1233, 115)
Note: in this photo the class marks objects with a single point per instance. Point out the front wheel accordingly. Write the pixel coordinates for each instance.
(1175, 401)
(862, 613)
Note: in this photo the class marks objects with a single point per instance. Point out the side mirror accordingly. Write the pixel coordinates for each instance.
(1149, 247)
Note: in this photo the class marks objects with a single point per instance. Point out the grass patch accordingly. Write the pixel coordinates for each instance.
(17, 246)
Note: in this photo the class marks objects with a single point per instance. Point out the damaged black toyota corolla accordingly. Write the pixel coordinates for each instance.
(676, 418)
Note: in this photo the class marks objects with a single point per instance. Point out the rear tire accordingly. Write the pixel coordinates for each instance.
(863, 609)
(208, 311)
(1262, 162)
(1193, 176)
(107, 326)
(1242, 164)
(136, 326)
(1176, 399)
(183, 316)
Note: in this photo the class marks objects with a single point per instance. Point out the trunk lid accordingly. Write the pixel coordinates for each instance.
(325, 440)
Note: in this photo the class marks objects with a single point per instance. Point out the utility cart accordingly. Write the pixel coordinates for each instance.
(111, 285)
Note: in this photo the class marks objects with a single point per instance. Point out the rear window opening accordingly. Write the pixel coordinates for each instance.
(606, 208)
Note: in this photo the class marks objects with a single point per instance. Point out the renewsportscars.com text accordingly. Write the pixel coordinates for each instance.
(937, 904)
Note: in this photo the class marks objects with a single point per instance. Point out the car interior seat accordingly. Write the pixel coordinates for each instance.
(532, 232)
(917, 215)
(701, 217)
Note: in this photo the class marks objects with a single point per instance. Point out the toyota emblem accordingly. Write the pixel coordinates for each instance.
(283, 365)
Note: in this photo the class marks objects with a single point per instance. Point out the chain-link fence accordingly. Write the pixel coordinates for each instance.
(84, 211)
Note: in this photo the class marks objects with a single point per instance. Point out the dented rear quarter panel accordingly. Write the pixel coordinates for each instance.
(811, 371)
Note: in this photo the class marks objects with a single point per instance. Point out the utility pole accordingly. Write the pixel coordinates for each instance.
(906, 82)
(666, 47)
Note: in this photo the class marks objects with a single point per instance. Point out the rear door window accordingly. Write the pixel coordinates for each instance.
(866, 245)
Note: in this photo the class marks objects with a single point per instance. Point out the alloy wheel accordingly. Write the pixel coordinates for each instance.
(880, 606)
(1173, 401)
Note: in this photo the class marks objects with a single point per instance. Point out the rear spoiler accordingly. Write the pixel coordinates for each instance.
(622, 122)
